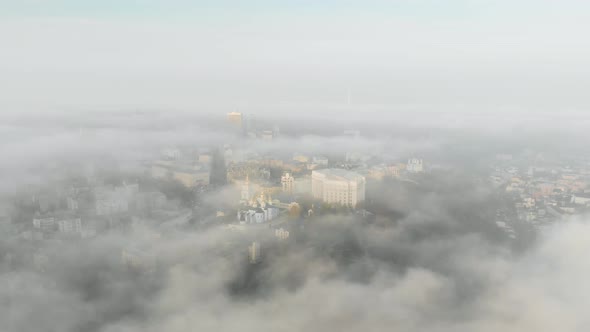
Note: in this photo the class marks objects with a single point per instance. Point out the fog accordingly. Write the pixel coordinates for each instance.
(431, 258)
(390, 165)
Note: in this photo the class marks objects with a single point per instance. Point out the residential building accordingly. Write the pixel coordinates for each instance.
(44, 223)
(281, 234)
(415, 165)
(320, 160)
(70, 226)
(581, 199)
(112, 200)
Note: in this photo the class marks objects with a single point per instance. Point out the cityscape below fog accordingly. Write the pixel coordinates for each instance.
(264, 166)
(235, 193)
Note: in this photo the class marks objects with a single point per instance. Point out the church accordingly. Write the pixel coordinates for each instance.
(255, 209)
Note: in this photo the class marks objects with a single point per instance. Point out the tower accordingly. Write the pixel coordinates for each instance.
(235, 118)
(254, 253)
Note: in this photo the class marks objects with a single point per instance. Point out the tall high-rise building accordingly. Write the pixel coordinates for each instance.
(338, 186)
(415, 165)
(235, 118)
(254, 253)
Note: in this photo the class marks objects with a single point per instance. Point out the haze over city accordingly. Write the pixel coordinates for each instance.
(295, 165)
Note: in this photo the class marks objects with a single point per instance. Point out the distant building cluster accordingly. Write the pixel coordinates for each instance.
(112, 200)
(96, 202)
(70, 226)
(543, 192)
(250, 127)
(189, 166)
(63, 223)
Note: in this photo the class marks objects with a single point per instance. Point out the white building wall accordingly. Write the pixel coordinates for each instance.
(44, 223)
(70, 226)
(287, 182)
(415, 165)
(338, 190)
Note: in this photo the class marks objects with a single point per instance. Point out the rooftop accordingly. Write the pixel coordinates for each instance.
(339, 174)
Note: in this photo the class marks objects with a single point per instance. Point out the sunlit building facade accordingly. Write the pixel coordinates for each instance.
(235, 118)
(338, 186)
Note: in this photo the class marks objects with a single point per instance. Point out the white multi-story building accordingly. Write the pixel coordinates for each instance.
(288, 182)
(415, 165)
(110, 200)
(581, 199)
(44, 224)
(320, 160)
(171, 153)
(235, 118)
(70, 226)
(338, 186)
(281, 234)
